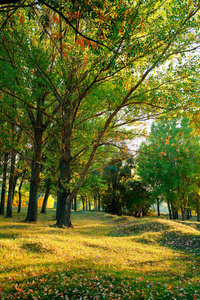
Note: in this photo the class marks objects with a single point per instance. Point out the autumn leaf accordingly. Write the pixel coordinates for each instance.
(57, 36)
(22, 18)
(166, 142)
(18, 289)
(127, 85)
(169, 287)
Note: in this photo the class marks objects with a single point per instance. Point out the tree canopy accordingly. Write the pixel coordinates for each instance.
(79, 74)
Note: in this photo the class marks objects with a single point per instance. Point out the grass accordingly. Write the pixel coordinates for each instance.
(102, 257)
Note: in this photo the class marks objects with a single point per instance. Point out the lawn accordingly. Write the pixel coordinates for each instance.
(102, 257)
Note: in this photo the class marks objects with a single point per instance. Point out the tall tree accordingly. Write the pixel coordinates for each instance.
(115, 69)
(169, 162)
(3, 187)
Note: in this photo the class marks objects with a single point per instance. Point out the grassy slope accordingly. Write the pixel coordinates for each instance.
(103, 257)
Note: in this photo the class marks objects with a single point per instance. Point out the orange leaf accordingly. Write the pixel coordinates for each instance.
(18, 289)
(93, 46)
(22, 18)
(127, 85)
(56, 19)
(169, 287)
(88, 42)
(141, 278)
(167, 142)
(58, 36)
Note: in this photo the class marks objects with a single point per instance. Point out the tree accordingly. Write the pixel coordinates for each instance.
(169, 163)
(3, 186)
(136, 198)
(115, 177)
(46, 196)
(112, 68)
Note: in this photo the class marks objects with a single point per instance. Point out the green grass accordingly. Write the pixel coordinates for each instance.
(102, 257)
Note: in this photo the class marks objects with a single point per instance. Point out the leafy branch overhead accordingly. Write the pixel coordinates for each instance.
(82, 73)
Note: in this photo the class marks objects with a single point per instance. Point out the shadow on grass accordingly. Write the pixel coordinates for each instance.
(75, 281)
(181, 241)
(194, 225)
(36, 247)
(138, 228)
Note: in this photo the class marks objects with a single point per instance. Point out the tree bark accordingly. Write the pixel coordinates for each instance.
(188, 214)
(15, 182)
(184, 207)
(11, 185)
(3, 188)
(198, 215)
(83, 201)
(20, 197)
(86, 203)
(158, 207)
(46, 196)
(63, 197)
(169, 209)
(89, 204)
(95, 201)
(19, 191)
(35, 177)
(184, 214)
(99, 202)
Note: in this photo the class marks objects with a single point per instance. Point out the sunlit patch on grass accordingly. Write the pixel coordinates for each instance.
(103, 257)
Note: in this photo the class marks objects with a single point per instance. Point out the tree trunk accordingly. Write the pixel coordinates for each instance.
(46, 196)
(99, 202)
(63, 210)
(20, 197)
(184, 214)
(184, 208)
(83, 201)
(11, 185)
(35, 177)
(158, 207)
(188, 214)
(19, 191)
(3, 188)
(63, 201)
(198, 215)
(174, 213)
(95, 201)
(15, 182)
(86, 203)
(89, 204)
(169, 209)
(114, 208)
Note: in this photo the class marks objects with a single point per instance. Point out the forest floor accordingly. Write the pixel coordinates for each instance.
(102, 257)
